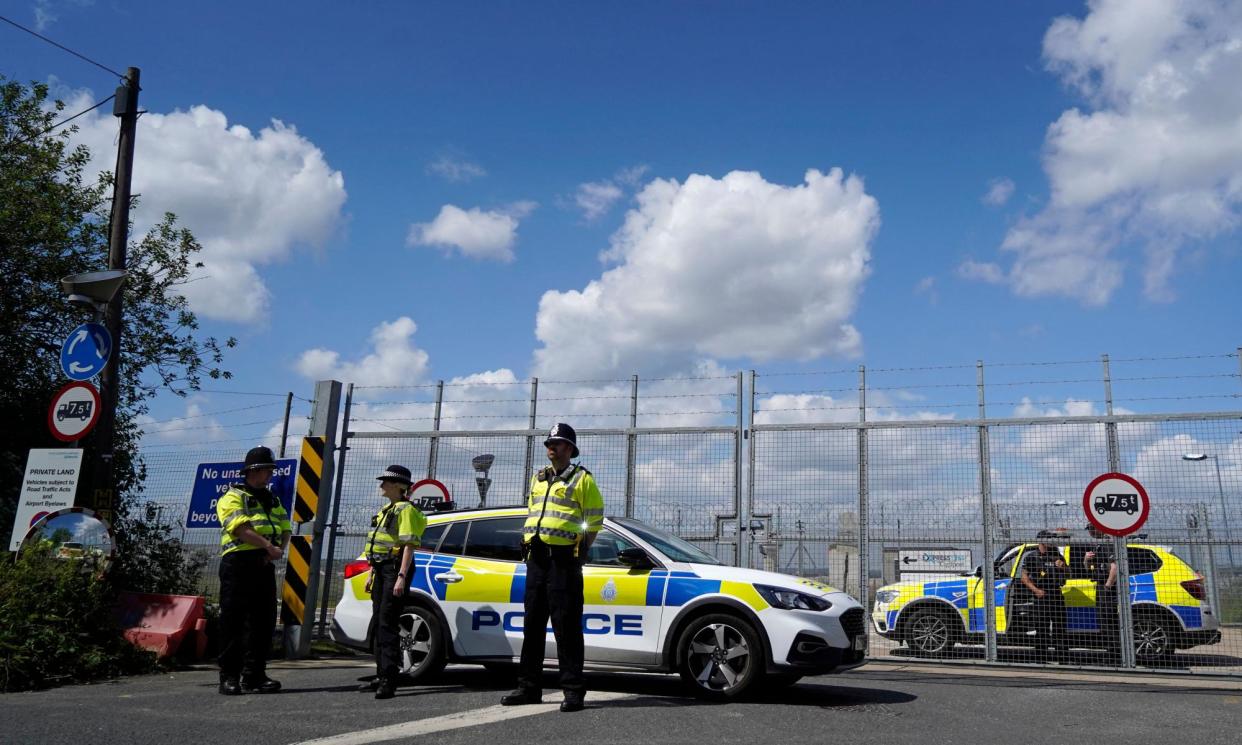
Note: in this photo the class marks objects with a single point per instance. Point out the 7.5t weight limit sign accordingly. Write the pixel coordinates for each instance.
(1115, 503)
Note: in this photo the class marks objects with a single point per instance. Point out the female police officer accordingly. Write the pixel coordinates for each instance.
(395, 533)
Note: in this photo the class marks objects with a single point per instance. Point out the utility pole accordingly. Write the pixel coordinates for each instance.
(124, 107)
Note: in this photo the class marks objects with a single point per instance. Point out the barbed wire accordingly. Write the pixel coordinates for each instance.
(562, 414)
(217, 425)
(209, 413)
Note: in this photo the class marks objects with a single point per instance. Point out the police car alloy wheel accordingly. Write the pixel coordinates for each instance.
(927, 632)
(1152, 643)
(422, 648)
(721, 656)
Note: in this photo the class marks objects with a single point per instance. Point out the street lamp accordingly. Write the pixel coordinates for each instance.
(1220, 491)
(482, 464)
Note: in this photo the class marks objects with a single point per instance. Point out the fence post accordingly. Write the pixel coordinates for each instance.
(334, 526)
(631, 448)
(1201, 516)
(742, 529)
(284, 430)
(530, 439)
(750, 476)
(324, 417)
(1120, 545)
(433, 447)
(864, 546)
(985, 499)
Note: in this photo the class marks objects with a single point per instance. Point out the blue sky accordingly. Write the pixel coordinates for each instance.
(522, 105)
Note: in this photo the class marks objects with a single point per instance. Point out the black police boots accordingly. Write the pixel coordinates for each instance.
(386, 688)
(370, 686)
(573, 701)
(230, 687)
(260, 685)
(522, 696)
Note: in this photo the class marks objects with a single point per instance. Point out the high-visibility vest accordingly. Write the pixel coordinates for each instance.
(240, 505)
(562, 507)
(397, 524)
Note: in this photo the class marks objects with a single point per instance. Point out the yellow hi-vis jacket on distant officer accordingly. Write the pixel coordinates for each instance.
(240, 505)
(562, 507)
(396, 525)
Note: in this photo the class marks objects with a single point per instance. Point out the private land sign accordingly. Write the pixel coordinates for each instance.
(50, 483)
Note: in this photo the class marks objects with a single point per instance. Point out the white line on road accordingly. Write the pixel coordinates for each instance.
(473, 718)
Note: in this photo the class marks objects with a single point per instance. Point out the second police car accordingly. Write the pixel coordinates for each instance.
(653, 602)
(1168, 605)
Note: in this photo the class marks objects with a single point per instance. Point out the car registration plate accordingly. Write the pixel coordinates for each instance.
(860, 643)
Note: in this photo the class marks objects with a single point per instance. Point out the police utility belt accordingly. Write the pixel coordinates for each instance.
(538, 549)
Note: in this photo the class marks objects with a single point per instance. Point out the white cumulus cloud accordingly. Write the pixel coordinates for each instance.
(456, 169)
(1151, 162)
(718, 268)
(251, 198)
(474, 232)
(999, 191)
(393, 360)
(596, 198)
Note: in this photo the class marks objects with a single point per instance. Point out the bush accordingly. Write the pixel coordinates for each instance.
(58, 625)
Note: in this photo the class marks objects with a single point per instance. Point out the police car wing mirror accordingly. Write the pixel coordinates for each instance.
(635, 558)
(979, 571)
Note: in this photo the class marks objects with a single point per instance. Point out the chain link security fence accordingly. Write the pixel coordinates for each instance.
(900, 486)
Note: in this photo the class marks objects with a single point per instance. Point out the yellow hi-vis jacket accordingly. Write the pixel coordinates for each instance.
(563, 506)
(397, 524)
(240, 505)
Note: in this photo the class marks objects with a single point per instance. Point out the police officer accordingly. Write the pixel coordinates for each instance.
(254, 530)
(1044, 574)
(1101, 566)
(395, 532)
(565, 512)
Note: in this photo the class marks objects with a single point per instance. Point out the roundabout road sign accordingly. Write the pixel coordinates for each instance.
(85, 353)
(74, 412)
(1115, 503)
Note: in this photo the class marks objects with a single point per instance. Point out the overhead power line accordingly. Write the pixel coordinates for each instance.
(79, 55)
(61, 123)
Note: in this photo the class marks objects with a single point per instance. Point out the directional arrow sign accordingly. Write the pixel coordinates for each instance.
(85, 353)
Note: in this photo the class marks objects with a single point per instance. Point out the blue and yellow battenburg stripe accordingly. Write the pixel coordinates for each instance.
(502, 581)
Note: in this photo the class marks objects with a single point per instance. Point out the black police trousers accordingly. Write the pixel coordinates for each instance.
(1049, 613)
(386, 619)
(1106, 617)
(553, 590)
(247, 614)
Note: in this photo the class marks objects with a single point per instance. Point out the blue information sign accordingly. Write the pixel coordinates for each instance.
(85, 352)
(212, 480)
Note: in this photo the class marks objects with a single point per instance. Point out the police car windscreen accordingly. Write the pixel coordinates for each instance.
(667, 543)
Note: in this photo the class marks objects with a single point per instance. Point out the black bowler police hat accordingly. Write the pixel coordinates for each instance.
(1046, 535)
(396, 473)
(259, 457)
(562, 432)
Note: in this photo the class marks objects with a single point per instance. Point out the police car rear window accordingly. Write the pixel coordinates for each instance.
(498, 538)
(454, 540)
(1143, 561)
(431, 537)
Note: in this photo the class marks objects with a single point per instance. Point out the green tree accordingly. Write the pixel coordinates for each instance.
(54, 222)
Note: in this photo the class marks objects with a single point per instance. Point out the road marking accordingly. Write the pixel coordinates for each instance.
(472, 718)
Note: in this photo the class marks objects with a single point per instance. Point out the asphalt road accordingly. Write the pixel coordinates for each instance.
(881, 703)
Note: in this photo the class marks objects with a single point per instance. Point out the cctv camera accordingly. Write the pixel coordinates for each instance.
(483, 462)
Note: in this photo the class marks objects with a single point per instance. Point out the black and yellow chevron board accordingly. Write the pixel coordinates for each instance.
(297, 574)
(310, 474)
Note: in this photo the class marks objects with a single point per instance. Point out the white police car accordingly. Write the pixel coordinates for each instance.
(653, 602)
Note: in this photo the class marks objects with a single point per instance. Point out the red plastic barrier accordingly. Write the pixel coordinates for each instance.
(160, 623)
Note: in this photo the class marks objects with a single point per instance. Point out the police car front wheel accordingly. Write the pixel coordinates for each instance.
(928, 632)
(422, 646)
(721, 656)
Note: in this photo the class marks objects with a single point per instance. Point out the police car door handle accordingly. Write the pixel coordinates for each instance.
(449, 578)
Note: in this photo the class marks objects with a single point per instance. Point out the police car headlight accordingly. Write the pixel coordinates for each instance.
(779, 597)
(886, 596)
